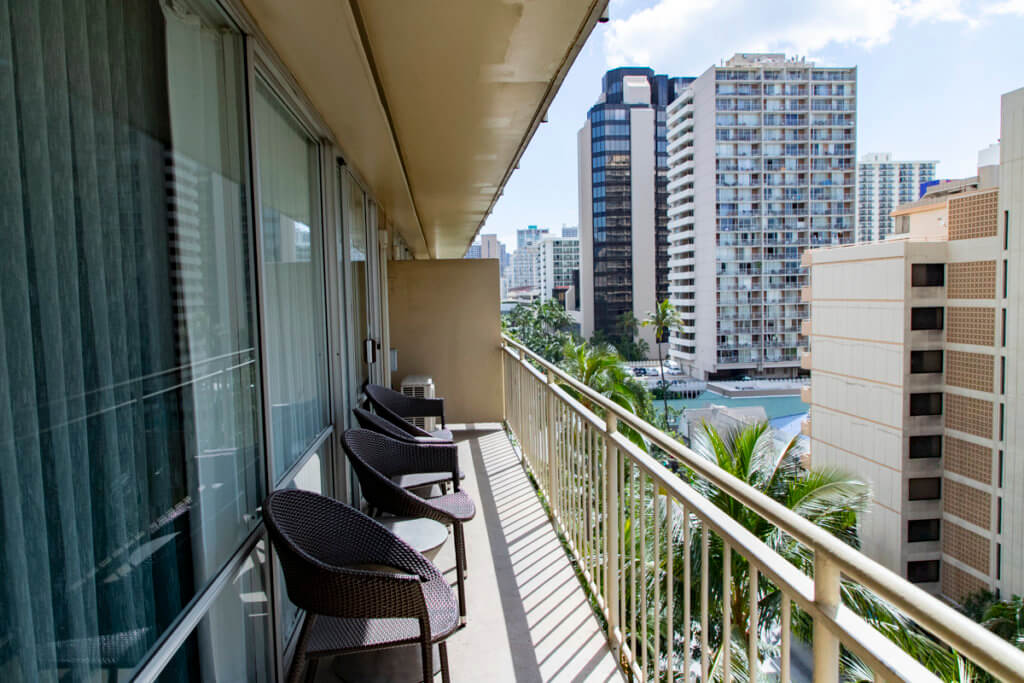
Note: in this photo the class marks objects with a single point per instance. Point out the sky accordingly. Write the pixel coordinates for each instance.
(930, 74)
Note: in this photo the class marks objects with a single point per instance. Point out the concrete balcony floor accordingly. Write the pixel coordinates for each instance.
(528, 617)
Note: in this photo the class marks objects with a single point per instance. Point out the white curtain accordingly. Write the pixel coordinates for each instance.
(130, 464)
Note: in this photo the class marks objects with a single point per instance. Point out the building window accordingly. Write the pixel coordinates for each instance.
(928, 275)
(926, 404)
(130, 341)
(926, 318)
(922, 362)
(920, 530)
(929, 446)
(923, 571)
(293, 276)
(924, 488)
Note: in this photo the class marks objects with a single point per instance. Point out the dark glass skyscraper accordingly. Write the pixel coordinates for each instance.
(624, 198)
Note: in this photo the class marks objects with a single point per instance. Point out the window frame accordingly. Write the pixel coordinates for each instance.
(262, 62)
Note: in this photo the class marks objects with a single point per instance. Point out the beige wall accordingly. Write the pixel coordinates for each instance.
(445, 323)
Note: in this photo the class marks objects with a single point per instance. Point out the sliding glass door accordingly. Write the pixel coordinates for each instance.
(360, 236)
(131, 451)
(166, 355)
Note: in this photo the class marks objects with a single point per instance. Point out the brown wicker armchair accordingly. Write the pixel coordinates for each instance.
(396, 407)
(376, 423)
(331, 556)
(377, 459)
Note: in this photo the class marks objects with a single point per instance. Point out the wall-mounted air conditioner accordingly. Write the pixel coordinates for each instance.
(420, 386)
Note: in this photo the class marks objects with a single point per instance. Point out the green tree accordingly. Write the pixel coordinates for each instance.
(1005, 618)
(602, 369)
(543, 326)
(665, 319)
(829, 498)
(628, 344)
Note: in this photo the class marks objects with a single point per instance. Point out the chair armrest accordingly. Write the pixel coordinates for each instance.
(428, 440)
(354, 593)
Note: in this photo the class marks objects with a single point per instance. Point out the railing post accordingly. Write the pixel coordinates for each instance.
(551, 445)
(826, 597)
(611, 540)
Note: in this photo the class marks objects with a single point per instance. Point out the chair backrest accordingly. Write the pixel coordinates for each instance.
(376, 423)
(393, 406)
(304, 528)
(373, 457)
(322, 545)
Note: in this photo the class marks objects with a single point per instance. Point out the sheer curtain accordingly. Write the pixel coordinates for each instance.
(293, 279)
(130, 466)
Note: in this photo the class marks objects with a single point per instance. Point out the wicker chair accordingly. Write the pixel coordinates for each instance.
(396, 407)
(376, 459)
(376, 423)
(328, 554)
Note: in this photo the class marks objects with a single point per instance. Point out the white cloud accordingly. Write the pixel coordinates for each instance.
(686, 36)
(1007, 7)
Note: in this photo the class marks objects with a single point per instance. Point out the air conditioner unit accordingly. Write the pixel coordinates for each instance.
(420, 386)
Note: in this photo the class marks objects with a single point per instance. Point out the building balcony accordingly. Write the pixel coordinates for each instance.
(805, 294)
(805, 357)
(805, 394)
(527, 610)
(805, 330)
(161, 549)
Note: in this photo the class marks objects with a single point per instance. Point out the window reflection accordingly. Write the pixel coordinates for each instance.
(129, 423)
(293, 280)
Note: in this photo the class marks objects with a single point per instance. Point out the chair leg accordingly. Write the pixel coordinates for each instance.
(299, 659)
(460, 569)
(442, 648)
(427, 651)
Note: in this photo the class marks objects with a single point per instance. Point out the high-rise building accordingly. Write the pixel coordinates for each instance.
(557, 259)
(1008, 473)
(883, 184)
(473, 251)
(525, 267)
(569, 231)
(623, 199)
(914, 375)
(490, 247)
(530, 235)
(761, 167)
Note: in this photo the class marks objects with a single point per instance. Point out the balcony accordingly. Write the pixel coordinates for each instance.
(151, 491)
(528, 611)
(599, 484)
(805, 357)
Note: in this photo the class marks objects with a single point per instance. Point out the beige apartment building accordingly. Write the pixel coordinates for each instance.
(908, 366)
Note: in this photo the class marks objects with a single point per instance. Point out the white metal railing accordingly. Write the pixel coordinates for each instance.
(624, 516)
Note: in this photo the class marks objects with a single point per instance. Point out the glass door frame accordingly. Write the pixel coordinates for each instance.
(374, 323)
(262, 65)
(261, 62)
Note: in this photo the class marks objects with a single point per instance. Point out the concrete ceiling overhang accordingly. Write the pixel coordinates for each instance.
(432, 102)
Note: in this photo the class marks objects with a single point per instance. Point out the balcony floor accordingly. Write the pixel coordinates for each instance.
(529, 619)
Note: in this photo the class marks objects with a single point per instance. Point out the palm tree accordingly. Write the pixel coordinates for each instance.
(542, 326)
(828, 497)
(664, 319)
(601, 368)
(1005, 618)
